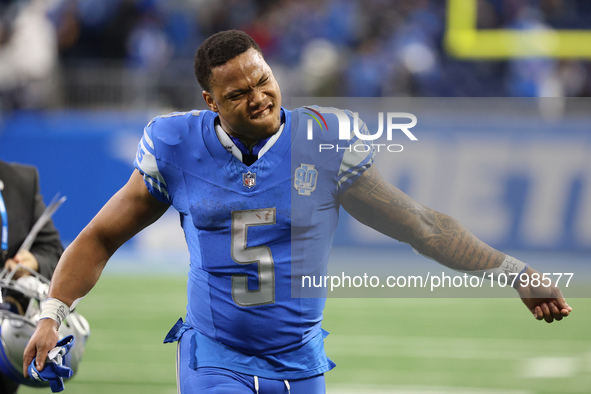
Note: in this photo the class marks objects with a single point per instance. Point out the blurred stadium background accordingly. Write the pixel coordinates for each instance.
(79, 79)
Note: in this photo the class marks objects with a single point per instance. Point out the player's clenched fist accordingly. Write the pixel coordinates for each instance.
(544, 302)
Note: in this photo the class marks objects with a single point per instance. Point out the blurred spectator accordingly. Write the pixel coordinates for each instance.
(532, 77)
(28, 54)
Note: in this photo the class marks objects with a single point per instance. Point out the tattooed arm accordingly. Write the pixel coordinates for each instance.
(385, 208)
(388, 210)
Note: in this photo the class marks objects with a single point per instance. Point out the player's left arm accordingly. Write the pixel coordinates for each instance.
(380, 205)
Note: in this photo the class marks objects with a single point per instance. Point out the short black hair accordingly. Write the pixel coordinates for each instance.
(217, 50)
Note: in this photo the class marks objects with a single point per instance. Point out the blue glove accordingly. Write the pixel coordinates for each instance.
(54, 370)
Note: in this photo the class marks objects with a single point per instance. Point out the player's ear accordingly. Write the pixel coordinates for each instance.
(209, 101)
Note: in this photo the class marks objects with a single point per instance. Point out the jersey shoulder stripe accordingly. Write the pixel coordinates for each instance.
(152, 154)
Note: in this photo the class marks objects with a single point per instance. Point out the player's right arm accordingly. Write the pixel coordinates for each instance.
(129, 211)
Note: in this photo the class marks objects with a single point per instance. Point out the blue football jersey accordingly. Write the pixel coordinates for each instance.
(252, 231)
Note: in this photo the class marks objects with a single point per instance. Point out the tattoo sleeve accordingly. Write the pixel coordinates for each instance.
(378, 204)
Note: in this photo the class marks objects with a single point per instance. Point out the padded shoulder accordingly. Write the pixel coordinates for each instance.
(172, 129)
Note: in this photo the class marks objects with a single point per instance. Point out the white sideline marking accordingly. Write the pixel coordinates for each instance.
(550, 367)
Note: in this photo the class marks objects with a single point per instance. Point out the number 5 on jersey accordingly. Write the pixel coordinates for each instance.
(260, 255)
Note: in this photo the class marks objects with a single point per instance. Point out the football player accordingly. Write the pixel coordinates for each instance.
(258, 204)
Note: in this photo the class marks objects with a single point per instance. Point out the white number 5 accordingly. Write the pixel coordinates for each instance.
(260, 255)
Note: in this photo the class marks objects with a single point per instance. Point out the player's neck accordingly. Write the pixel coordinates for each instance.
(249, 143)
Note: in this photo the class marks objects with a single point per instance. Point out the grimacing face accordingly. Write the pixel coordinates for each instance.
(245, 94)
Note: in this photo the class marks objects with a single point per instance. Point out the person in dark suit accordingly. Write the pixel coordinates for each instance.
(19, 190)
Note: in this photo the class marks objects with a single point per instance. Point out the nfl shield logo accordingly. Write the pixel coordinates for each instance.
(249, 179)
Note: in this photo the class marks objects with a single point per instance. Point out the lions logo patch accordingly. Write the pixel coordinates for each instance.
(305, 178)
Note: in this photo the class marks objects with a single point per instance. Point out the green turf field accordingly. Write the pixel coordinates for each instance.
(379, 345)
